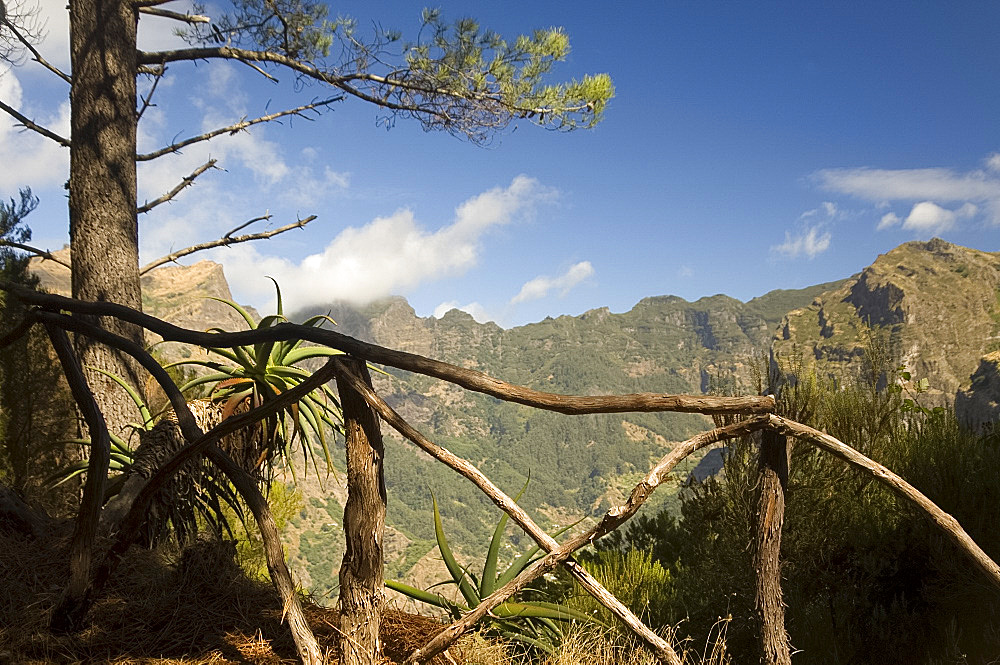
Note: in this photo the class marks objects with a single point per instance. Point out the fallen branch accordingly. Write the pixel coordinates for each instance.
(198, 442)
(68, 615)
(943, 520)
(467, 378)
(224, 241)
(614, 518)
(660, 647)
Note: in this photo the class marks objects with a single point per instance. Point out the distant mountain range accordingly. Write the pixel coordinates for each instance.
(938, 304)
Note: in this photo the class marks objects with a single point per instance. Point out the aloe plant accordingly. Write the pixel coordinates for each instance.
(533, 623)
(254, 374)
(205, 492)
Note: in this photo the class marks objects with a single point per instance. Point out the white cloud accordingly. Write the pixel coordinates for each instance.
(389, 255)
(979, 188)
(685, 271)
(811, 243)
(539, 287)
(888, 220)
(928, 217)
(40, 162)
(473, 309)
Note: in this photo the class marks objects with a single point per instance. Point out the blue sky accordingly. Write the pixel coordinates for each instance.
(750, 146)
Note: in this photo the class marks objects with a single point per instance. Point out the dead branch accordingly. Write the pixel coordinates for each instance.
(36, 56)
(199, 442)
(469, 379)
(658, 645)
(265, 217)
(68, 615)
(187, 181)
(177, 16)
(614, 518)
(234, 128)
(146, 101)
(225, 241)
(29, 124)
(941, 519)
(45, 254)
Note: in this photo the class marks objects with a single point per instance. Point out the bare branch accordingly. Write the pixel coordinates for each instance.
(177, 16)
(467, 378)
(47, 133)
(149, 97)
(657, 644)
(234, 128)
(264, 217)
(45, 254)
(36, 56)
(150, 3)
(224, 241)
(187, 181)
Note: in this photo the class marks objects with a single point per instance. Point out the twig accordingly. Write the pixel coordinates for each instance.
(45, 254)
(225, 241)
(265, 217)
(234, 128)
(47, 133)
(467, 378)
(68, 615)
(177, 16)
(149, 97)
(187, 181)
(38, 56)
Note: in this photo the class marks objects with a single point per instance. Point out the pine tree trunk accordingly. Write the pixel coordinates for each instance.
(102, 186)
(770, 517)
(361, 574)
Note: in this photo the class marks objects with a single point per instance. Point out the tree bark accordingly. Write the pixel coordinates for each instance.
(361, 573)
(773, 479)
(102, 185)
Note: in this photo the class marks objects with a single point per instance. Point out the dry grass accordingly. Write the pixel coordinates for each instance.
(198, 607)
(195, 607)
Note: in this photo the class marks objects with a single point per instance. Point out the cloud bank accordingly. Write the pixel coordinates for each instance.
(389, 255)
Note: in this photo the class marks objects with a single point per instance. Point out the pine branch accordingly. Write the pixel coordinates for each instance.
(245, 55)
(48, 256)
(187, 181)
(225, 241)
(177, 16)
(28, 124)
(37, 57)
(234, 128)
(146, 101)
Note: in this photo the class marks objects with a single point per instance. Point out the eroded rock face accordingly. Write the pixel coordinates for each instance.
(936, 302)
(979, 403)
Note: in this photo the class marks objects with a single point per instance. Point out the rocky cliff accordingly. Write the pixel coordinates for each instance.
(936, 304)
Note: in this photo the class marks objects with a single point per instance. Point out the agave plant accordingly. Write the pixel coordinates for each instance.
(251, 375)
(196, 497)
(533, 623)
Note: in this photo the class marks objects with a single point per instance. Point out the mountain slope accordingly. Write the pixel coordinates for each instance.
(938, 306)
